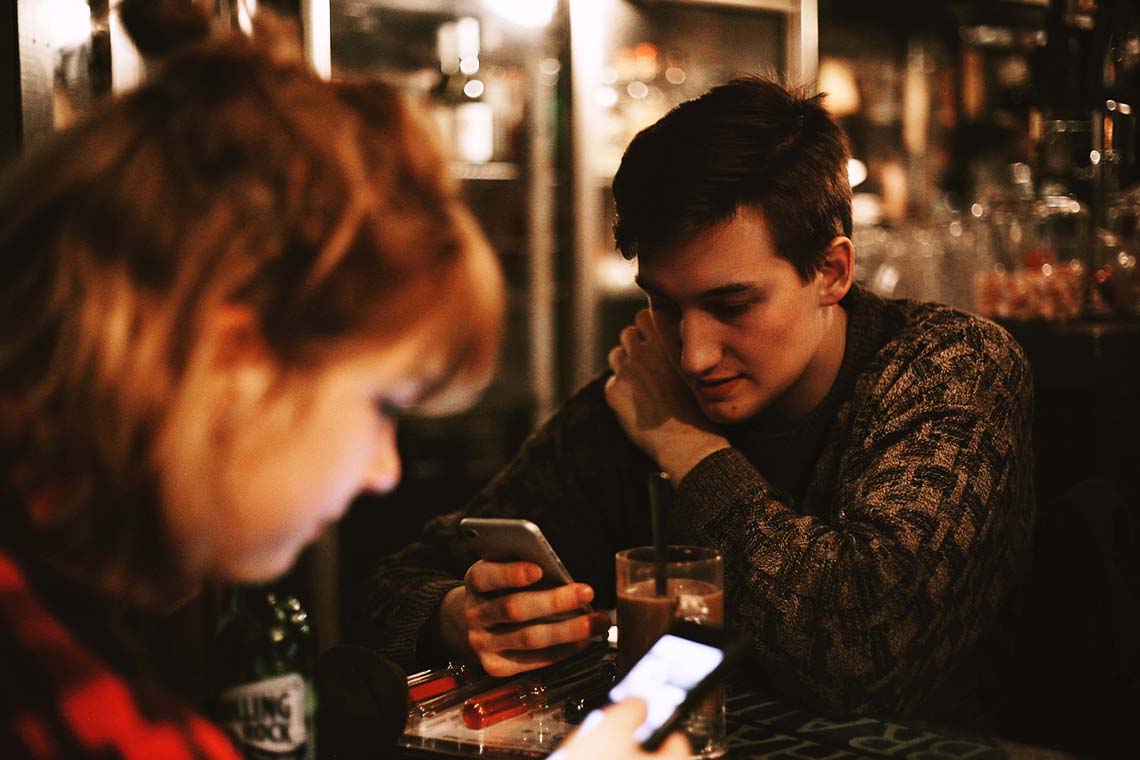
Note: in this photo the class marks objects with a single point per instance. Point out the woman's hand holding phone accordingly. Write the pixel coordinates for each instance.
(613, 737)
(507, 626)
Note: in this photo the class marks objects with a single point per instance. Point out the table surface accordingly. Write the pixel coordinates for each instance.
(760, 726)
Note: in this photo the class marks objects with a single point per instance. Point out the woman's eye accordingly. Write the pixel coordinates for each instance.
(389, 410)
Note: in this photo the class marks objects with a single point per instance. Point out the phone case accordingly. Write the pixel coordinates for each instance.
(499, 539)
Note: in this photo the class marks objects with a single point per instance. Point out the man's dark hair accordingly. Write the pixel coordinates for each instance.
(746, 142)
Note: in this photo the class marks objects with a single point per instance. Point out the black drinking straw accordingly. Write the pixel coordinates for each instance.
(660, 492)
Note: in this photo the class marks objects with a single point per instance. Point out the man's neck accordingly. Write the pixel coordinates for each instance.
(820, 374)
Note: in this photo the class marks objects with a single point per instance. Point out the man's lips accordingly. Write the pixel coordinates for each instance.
(718, 387)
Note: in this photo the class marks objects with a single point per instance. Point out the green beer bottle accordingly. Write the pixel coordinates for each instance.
(264, 655)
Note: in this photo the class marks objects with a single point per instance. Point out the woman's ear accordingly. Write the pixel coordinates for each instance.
(237, 353)
(837, 273)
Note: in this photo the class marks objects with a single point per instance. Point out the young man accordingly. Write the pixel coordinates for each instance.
(864, 466)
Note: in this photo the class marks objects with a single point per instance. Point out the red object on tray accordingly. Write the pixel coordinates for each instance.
(505, 702)
(432, 688)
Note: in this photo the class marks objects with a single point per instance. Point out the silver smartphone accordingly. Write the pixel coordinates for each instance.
(503, 539)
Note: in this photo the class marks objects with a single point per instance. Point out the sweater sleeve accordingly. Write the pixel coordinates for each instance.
(577, 478)
(934, 507)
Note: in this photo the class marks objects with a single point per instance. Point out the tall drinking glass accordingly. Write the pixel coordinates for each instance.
(692, 579)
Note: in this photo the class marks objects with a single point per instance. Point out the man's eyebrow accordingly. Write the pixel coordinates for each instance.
(728, 289)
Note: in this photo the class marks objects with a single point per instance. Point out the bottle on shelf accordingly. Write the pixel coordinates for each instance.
(264, 657)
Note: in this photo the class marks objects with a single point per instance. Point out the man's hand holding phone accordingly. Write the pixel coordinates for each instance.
(508, 627)
(518, 608)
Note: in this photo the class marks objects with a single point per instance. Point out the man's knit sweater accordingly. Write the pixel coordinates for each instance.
(871, 549)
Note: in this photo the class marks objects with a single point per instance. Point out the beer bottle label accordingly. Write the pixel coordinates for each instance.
(267, 718)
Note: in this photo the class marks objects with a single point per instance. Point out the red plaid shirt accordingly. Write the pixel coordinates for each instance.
(60, 699)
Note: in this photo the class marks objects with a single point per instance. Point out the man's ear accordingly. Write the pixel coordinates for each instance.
(837, 273)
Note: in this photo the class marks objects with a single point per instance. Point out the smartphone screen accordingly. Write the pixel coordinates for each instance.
(664, 677)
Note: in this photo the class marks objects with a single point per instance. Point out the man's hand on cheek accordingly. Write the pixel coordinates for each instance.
(655, 408)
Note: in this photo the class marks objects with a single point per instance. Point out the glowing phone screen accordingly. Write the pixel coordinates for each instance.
(662, 678)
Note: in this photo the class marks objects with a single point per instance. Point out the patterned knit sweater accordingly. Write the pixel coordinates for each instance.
(872, 550)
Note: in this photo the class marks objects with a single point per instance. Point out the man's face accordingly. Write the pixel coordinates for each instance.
(740, 326)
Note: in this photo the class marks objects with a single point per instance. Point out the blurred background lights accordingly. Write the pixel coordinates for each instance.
(246, 10)
(606, 97)
(837, 80)
(71, 23)
(473, 88)
(616, 275)
(533, 14)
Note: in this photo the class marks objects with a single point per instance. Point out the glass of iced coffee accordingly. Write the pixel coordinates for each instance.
(688, 585)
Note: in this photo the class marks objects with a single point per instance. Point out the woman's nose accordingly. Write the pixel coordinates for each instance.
(384, 472)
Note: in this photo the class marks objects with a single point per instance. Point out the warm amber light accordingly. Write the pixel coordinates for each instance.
(837, 79)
